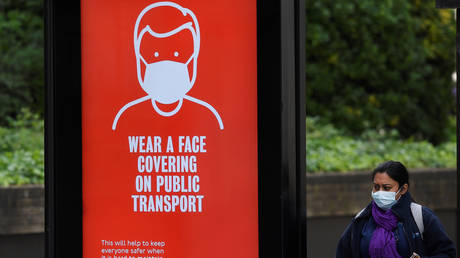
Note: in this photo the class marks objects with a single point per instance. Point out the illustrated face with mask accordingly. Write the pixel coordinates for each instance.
(386, 191)
(167, 81)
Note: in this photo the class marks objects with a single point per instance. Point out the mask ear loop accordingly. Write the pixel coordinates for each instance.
(194, 57)
(137, 42)
(143, 60)
(190, 59)
(398, 192)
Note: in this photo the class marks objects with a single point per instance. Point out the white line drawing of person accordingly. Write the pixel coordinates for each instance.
(167, 81)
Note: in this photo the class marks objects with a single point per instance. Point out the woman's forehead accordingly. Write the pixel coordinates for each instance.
(383, 178)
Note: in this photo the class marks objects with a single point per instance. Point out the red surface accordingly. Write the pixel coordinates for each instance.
(226, 79)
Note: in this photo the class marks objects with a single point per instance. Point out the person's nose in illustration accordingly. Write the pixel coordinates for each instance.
(166, 79)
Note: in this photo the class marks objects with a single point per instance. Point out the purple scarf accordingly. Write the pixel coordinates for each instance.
(383, 244)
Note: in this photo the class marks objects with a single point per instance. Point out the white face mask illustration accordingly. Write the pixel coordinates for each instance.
(167, 81)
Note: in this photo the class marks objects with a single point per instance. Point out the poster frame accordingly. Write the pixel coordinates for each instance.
(281, 129)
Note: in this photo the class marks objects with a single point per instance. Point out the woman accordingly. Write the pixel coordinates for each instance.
(386, 228)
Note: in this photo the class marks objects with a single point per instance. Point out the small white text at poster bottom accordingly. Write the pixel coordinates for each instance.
(132, 249)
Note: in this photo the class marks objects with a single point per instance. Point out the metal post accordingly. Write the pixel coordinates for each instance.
(455, 4)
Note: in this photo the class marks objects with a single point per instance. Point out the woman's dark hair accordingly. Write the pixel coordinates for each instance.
(395, 170)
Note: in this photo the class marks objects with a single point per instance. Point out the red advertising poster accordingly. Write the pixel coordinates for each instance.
(169, 109)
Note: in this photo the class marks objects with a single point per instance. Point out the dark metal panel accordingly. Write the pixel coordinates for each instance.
(458, 123)
(301, 177)
(269, 130)
(288, 130)
(281, 121)
(49, 121)
(63, 130)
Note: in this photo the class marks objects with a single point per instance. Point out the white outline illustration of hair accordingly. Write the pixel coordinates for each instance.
(156, 71)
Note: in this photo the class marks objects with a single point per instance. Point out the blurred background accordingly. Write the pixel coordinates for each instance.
(22, 92)
(22, 107)
(380, 86)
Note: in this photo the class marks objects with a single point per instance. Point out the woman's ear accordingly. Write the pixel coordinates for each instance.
(404, 189)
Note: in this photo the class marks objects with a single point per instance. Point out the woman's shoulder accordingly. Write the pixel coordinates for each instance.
(428, 213)
(431, 222)
(364, 213)
(427, 210)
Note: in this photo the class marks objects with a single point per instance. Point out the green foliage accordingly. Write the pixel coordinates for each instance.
(381, 64)
(21, 57)
(330, 149)
(22, 150)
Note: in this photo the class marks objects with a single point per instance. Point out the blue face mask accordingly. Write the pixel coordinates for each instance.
(384, 199)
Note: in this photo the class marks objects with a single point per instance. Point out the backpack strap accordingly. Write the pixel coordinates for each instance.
(418, 217)
(359, 213)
